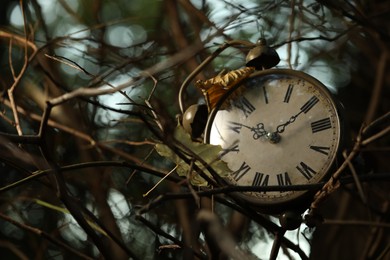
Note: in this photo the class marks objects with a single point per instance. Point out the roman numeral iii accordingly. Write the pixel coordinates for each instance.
(321, 125)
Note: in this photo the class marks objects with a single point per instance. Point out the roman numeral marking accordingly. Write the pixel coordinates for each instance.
(260, 179)
(309, 104)
(265, 95)
(244, 168)
(245, 106)
(234, 148)
(283, 179)
(306, 171)
(288, 93)
(321, 149)
(236, 127)
(321, 125)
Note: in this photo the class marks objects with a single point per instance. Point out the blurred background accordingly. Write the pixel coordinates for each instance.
(71, 186)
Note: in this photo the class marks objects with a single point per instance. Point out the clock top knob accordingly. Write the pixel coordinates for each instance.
(262, 56)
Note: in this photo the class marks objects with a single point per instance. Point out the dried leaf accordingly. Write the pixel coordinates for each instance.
(213, 89)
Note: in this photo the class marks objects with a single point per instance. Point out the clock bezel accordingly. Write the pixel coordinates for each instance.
(303, 199)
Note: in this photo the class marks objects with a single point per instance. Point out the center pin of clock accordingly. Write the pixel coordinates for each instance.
(274, 137)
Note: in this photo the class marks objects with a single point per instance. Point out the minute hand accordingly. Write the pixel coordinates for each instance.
(304, 109)
(280, 128)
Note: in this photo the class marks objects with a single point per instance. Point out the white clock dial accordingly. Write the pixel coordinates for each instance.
(281, 128)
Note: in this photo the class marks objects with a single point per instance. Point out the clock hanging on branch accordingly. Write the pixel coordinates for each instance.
(276, 127)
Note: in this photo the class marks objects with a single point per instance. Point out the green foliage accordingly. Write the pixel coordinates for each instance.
(199, 152)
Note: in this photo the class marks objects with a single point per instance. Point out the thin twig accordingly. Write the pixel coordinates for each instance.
(175, 59)
(94, 164)
(20, 75)
(291, 25)
(276, 244)
(160, 232)
(73, 207)
(22, 41)
(361, 223)
(45, 235)
(376, 136)
(356, 179)
(158, 183)
(333, 182)
(378, 87)
(201, 66)
(10, 59)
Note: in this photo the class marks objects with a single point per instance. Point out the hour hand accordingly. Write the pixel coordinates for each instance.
(258, 130)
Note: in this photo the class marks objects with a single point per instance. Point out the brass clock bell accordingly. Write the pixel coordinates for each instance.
(194, 120)
(262, 57)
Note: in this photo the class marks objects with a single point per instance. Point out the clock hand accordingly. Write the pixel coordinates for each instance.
(274, 137)
(258, 130)
(280, 128)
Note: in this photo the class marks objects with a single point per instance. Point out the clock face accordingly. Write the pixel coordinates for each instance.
(280, 127)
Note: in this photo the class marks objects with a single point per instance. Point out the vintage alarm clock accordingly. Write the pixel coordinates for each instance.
(276, 127)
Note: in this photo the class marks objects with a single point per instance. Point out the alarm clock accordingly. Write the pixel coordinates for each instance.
(276, 127)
